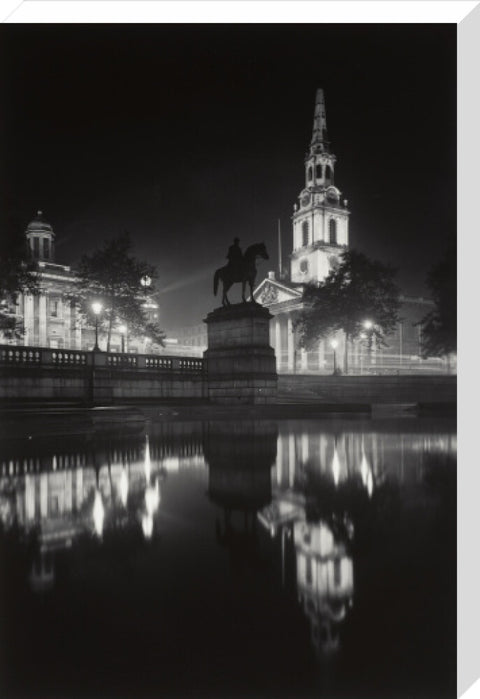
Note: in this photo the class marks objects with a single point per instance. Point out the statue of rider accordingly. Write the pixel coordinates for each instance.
(235, 257)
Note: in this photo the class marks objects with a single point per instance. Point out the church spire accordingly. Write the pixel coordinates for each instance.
(319, 142)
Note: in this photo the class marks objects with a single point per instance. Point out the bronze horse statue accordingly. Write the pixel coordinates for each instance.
(246, 272)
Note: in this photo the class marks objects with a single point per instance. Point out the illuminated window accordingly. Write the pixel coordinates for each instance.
(319, 170)
(332, 228)
(310, 174)
(305, 232)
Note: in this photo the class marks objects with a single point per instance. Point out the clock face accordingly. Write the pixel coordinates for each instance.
(306, 200)
(332, 194)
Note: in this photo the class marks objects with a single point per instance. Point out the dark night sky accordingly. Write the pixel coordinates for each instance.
(189, 135)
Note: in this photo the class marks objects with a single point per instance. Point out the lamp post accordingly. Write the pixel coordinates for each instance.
(363, 336)
(97, 309)
(123, 330)
(334, 345)
(368, 325)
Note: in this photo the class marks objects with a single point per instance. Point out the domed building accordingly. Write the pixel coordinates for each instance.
(50, 318)
(41, 238)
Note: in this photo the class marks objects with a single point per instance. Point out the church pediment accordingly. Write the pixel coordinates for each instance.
(269, 291)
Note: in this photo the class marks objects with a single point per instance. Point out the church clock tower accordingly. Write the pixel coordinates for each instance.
(320, 219)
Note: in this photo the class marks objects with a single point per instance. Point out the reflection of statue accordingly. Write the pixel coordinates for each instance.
(240, 269)
(239, 458)
(42, 572)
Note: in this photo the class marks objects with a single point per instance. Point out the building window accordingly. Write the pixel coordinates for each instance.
(319, 170)
(328, 172)
(36, 248)
(46, 248)
(54, 308)
(332, 228)
(310, 173)
(305, 235)
(304, 266)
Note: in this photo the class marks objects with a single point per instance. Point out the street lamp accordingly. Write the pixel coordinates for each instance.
(145, 281)
(123, 329)
(334, 345)
(97, 309)
(367, 324)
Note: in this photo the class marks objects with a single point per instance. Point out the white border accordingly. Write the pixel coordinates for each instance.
(218, 11)
(357, 11)
(468, 570)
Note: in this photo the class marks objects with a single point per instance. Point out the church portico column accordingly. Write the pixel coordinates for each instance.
(278, 342)
(290, 346)
(303, 359)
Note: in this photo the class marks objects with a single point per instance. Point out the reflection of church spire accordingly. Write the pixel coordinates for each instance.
(324, 581)
(319, 142)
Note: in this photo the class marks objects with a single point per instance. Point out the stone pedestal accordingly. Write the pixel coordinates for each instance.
(240, 364)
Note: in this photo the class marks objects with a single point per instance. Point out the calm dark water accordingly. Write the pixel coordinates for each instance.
(219, 559)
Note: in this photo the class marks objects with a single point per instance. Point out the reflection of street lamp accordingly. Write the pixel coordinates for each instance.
(98, 513)
(334, 345)
(122, 329)
(97, 309)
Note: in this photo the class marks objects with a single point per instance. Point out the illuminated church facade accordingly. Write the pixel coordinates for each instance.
(320, 235)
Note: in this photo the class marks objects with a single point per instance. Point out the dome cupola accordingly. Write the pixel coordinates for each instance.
(41, 238)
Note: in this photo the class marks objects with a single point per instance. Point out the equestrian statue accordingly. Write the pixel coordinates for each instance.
(240, 268)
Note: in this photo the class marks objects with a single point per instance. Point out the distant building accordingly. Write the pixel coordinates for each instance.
(320, 236)
(191, 339)
(50, 318)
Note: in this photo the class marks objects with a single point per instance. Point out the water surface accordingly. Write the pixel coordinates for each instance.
(249, 558)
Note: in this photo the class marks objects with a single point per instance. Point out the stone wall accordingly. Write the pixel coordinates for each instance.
(39, 374)
(104, 386)
(367, 389)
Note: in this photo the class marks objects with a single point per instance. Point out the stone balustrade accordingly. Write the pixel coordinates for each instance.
(42, 356)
